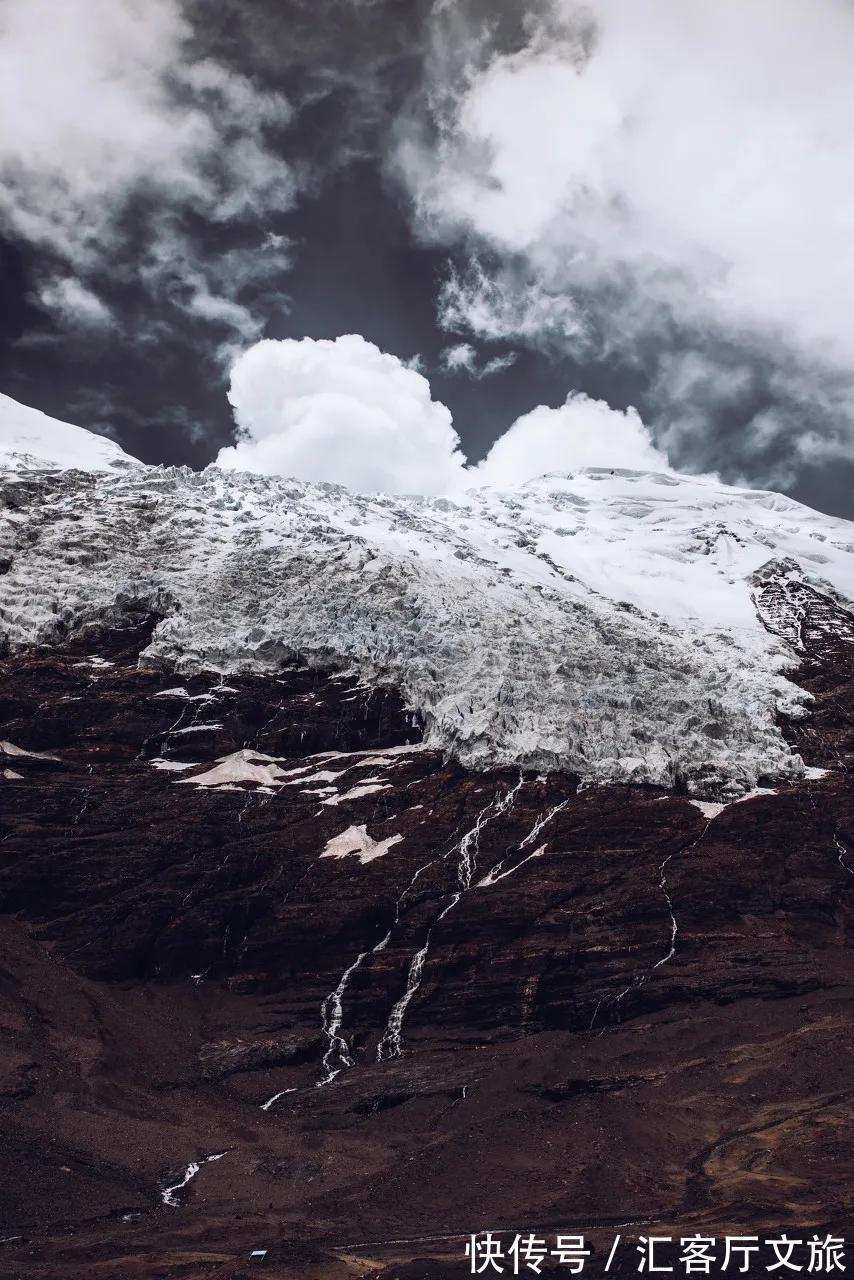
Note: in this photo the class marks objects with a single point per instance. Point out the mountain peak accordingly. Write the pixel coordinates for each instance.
(32, 441)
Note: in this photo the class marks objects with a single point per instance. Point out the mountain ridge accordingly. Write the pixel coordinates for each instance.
(32, 441)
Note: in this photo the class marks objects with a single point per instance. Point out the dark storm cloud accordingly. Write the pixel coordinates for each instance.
(664, 191)
(287, 168)
(346, 65)
(336, 253)
(139, 182)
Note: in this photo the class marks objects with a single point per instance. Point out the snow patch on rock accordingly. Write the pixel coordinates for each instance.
(240, 766)
(9, 749)
(367, 788)
(355, 842)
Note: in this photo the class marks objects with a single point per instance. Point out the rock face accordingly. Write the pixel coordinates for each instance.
(277, 974)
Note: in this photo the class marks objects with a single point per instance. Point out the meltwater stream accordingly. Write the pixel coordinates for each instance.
(391, 1045)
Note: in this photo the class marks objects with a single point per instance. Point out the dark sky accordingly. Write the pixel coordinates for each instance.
(164, 400)
(357, 265)
(155, 379)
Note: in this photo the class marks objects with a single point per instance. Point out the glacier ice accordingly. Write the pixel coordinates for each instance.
(602, 622)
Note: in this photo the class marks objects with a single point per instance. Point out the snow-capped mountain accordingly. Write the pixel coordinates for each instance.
(255, 925)
(606, 622)
(30, 440)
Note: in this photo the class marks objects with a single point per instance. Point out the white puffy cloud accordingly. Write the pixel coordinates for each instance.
(341, 411)
(581, 433)
(641, 163)
(346, 412)
(101, 102)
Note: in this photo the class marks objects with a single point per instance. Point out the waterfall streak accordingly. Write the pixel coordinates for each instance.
(493, 876)
(265, 1106)
(332, 1009)
(169, 1195)
(332, 1014)
(469, 846)
(843, 854)
(640, 980)
(391, 1044)
(497, 873)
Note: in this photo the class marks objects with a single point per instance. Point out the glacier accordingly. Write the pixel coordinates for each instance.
(603, 622)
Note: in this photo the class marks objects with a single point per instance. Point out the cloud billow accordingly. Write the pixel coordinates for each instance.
(343, 411)
(581, 433)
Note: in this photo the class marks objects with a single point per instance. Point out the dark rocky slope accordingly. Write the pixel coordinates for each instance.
(644, 1015)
